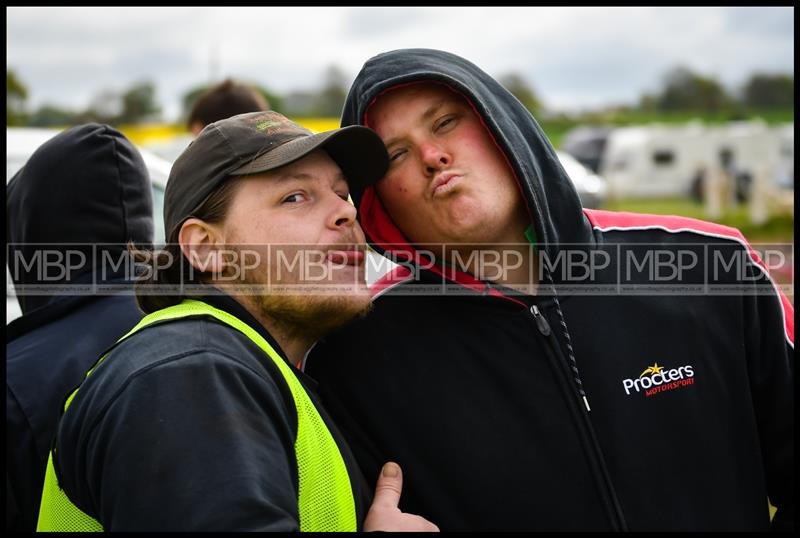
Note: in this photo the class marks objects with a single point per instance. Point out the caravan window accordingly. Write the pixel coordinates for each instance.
(663, 157)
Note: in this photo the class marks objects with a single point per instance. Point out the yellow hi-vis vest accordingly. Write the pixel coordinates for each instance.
(325, 497)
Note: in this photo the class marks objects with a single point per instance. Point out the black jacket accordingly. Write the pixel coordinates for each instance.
(484, 400)
(85, 190)
(188, 426)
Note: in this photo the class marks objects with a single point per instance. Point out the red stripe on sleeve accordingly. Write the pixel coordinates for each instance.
(620, 220)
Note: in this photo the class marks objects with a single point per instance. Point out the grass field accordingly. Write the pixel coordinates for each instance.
(778, 229)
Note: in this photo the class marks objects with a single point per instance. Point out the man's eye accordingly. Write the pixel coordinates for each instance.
(294, 198)
(447, 121)
(394, 155)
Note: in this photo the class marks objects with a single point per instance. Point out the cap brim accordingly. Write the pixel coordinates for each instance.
(357, 150)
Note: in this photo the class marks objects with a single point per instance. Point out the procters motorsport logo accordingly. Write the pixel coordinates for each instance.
(655, 380)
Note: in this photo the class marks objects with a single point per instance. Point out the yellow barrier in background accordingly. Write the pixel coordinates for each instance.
(163, 132)
(318, 125)
(142, 134)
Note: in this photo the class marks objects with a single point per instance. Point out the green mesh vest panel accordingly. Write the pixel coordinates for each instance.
(325, 500)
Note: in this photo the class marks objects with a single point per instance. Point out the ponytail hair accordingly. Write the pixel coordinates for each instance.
(166, 270)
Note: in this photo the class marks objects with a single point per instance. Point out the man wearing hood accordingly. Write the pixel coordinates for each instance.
(72, 208)
(584, 370)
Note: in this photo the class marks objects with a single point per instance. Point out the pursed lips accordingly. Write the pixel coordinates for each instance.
(442, 183)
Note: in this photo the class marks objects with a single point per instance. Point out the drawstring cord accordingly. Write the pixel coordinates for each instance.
(576, 376)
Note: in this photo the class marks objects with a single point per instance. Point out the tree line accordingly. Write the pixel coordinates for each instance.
(681, 90)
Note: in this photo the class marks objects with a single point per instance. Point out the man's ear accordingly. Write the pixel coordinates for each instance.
(196, 127)
(201, 244)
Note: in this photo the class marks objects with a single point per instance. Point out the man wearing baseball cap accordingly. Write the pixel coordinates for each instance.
(199, 418)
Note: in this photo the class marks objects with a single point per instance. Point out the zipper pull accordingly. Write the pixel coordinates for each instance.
(541, 322)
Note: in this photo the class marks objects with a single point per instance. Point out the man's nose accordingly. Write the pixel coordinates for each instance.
(342, 214)
(435, 157)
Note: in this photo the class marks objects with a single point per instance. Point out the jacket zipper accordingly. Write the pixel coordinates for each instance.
(541, 323)
(544, 329)
(552, 348)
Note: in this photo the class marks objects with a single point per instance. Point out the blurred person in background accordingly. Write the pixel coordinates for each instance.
(198, 418)
(70, 212)
(559, 389)
(226, 99)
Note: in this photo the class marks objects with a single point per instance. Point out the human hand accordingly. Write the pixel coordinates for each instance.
(384, 515)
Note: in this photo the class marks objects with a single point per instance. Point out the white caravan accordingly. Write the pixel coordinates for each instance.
(660, 160)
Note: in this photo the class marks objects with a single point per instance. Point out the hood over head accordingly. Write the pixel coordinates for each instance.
(83, 192)
(550, 196)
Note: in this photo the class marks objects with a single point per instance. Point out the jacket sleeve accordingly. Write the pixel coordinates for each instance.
(770, 341)
(202, 442)
(19, 465)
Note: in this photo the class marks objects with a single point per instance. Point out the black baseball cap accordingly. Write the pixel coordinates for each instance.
(259, 142)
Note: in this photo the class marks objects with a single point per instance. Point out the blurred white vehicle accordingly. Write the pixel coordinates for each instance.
(21, 142)
(170, 149)
(591, 187)
(587, 144)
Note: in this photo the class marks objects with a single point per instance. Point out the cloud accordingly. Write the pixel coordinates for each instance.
(760, 23)
(574, 57)
(371, 23)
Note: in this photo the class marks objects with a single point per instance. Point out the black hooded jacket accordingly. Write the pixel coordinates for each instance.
(70, 211)
(613, 399)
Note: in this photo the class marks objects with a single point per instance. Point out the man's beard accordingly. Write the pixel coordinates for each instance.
(299, 312)
(310, 317)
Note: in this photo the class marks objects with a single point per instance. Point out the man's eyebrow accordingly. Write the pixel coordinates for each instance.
(431, 111)
(303, 176)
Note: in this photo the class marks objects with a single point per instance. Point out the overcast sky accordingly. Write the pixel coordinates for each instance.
(574, 58)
